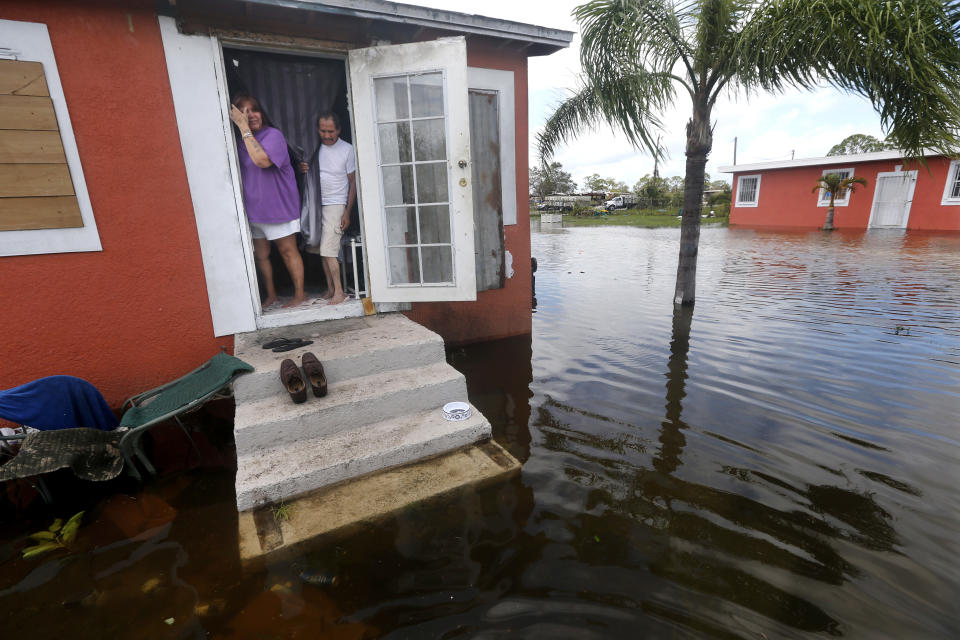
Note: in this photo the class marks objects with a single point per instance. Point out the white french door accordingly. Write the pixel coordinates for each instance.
(892, 198)
(412, 123)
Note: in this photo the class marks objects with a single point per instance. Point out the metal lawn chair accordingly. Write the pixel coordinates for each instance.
(210, 381)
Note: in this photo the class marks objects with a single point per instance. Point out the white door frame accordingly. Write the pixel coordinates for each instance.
(909, 202)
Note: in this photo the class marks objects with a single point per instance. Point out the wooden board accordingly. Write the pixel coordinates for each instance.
(33, 113)
(22, 78)
(20, 147)
(487, 198)
(20, 180)
(55, 212)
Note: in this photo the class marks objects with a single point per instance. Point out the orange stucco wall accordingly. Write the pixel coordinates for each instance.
(135, 314)
(786, 199)
(497, 313)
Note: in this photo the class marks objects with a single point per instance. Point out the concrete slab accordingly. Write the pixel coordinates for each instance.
(335, 510)
(277, 422)
(267, 476)
(349, 348)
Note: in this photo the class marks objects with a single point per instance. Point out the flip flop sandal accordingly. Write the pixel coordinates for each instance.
(315, 375)
(290, 346)
(293, 381)
(277, 342)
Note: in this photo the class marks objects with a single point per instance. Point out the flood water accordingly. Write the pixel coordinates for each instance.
(780, 463)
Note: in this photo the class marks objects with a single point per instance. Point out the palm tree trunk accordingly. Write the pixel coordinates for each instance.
(828, 225)
(699, 144)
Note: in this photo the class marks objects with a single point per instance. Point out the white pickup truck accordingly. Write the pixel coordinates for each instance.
(622, 201)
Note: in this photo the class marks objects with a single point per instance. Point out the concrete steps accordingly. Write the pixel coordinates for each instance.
(327, 459)
(387, 381)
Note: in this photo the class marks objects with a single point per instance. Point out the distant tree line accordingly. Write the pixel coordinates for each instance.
(651, 191)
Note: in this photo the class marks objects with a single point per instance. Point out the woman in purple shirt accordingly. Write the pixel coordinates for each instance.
(270, 196)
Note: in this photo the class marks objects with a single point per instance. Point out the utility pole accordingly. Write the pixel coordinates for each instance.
(656, 162)
(734, 150)
(791, 153)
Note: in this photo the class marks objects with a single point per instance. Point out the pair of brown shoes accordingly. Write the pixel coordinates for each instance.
(294, 383)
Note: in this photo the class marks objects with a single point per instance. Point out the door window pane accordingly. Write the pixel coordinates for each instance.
(434, 225)
(401, 225)
(426, 95)
(404, 265)
(432, 183)
(437, 264)
(398, 185)
(429, 140)
(391, 98)
(395, 142)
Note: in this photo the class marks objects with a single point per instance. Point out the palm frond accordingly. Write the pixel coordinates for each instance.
(902, 56)
(621, 36)
(630, 104)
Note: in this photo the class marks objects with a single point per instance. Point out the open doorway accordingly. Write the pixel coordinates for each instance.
(293, 90)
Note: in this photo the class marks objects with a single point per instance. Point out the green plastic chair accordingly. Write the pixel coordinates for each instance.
(210, 381)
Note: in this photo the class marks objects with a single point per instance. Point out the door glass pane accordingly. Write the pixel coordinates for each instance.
(429, 140)
(437, 264)
(391, 98)
(404, 265)
(398, 185)
(432, 183)
(401, 225)
(426, 95)
(395, 142)
(434, 225)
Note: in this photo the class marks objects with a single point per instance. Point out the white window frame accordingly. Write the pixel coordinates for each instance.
(30, 42)
(756, 193)
(823, 199)
(502, 83)
(953, 179)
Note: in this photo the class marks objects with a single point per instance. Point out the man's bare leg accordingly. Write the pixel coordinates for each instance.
(287, 246)
(334, 279)
(261, 254)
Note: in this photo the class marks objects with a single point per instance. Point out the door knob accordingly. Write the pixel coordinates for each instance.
(462, 164)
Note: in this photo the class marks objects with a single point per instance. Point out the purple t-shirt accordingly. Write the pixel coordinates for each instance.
(270, 195)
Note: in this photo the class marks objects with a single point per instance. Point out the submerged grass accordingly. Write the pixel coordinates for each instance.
(631, 218)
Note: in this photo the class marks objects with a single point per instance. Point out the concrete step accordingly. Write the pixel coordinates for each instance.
(322, 516)
(350, 348)
(266, 476)
(275, 422)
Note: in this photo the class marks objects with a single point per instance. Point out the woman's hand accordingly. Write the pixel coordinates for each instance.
(304, 167)
(239, 118)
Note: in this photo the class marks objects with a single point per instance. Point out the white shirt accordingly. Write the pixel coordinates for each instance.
(335, 162)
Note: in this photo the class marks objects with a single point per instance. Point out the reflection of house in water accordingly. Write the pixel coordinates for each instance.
(435, 103)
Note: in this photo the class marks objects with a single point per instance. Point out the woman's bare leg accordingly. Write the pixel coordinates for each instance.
(287, 246)
(261, 254)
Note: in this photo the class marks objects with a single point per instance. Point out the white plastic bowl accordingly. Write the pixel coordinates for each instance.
(456, 411)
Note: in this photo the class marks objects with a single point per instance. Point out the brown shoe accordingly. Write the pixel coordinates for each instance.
(314, 372)
(293, 381)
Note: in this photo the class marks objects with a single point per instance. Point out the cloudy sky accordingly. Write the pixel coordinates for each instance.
(767, 127)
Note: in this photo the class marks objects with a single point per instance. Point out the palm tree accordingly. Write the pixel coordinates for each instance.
(836, 185)
(638, 54)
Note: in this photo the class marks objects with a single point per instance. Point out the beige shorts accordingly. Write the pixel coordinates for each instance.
(330, 232)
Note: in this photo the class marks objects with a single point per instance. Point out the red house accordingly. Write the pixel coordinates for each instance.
(898, 195)
(125, 256)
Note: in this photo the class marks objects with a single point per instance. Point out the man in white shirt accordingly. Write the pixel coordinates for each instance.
(338, 192)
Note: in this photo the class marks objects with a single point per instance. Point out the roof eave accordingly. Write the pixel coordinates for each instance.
(549, 40)
(826, 160)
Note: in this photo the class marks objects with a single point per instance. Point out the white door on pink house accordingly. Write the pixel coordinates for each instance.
(412, 122)
(892, 198)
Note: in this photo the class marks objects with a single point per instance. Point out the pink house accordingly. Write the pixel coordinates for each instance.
(898, 195)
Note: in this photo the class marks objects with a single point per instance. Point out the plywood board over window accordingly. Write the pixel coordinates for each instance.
(44, 204)
(36, 191)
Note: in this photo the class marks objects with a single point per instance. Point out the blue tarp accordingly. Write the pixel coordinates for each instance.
(57, 402)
